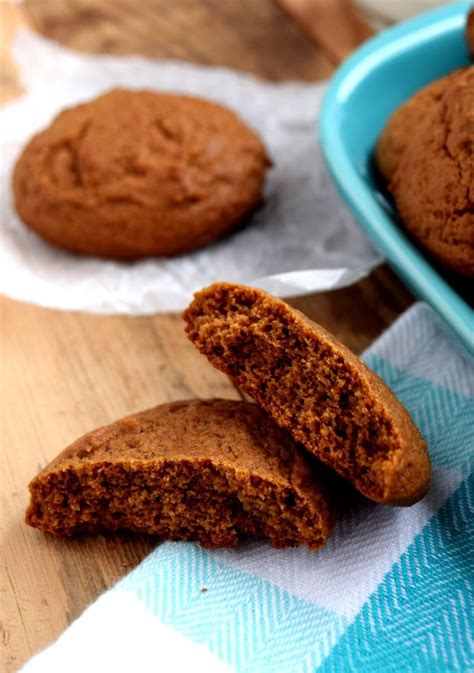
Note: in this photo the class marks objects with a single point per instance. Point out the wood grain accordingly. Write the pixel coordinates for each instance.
(251, 35)
(11, 18)
(336, 26)
(63, 374)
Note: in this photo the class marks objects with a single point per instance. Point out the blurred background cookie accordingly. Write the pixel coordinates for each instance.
(403, 122)
(135, 173)
(434, 183)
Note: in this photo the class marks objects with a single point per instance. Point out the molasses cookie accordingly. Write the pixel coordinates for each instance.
(402, 125)
(135, 173)
(212, 471)
(315, 387)
(434, 183)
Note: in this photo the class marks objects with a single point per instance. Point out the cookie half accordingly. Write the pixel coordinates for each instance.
(135, 173)
(212, 471)
(315, 387)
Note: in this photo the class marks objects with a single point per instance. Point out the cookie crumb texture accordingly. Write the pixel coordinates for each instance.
(315, 387)
(213, 471)
(434, 183)
(135, 173)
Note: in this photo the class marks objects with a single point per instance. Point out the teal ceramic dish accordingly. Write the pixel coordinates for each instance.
(363, 93)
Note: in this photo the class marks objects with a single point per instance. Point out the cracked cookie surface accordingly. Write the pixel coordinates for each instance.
(402, 125)
(434, 183)
(207, 470)
(136, 173)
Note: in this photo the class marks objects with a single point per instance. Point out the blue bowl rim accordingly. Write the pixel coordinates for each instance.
(386, 234)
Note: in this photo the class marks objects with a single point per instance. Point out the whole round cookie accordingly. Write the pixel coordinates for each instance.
(434, 183)
(136, 173)
(401, 126)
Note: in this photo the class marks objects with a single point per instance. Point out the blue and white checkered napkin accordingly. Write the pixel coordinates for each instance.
(392, 590)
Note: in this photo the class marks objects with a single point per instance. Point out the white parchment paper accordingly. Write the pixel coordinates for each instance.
(303, 240)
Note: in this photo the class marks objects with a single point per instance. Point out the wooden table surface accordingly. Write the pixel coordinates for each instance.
(66, 373)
